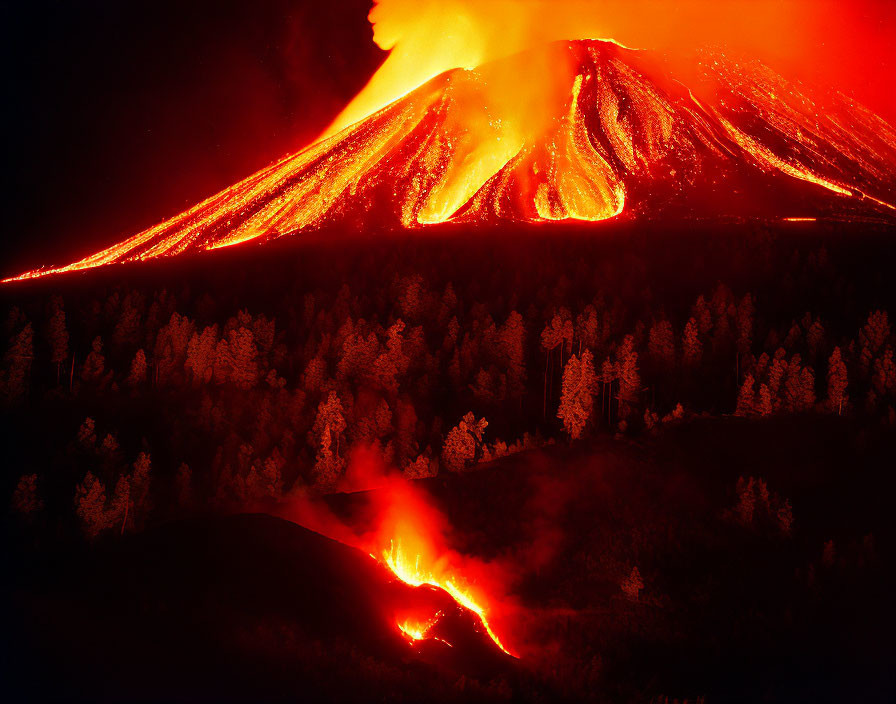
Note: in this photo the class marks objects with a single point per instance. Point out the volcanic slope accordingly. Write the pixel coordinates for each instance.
(614, 132)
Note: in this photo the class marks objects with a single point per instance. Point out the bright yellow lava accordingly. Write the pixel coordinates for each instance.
(488, 144)
(409, 570)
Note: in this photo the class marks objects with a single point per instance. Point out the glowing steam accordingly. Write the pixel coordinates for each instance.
(408, 537)
(427, 37)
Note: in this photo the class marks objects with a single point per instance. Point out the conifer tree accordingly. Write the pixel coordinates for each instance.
(628, 375)
(746, 401)
(330, 420)
(462, 443)
(576, 399)
(137, 375)
(25, 499)
(242, 358)
(17, 365)
(837, 382)
(512, 337)
(691, 347)
(633, 584)
(57, 334)
(883, 377)
(200, 360)
(661, 345)
(95, 364)
(90, 505)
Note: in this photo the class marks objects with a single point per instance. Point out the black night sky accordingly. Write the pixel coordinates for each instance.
(122, 114)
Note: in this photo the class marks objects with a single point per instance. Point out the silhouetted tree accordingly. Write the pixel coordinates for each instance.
(576, 399)
(746, 400)
(200, 361)
(25, 499)
(633, 584)
(17, 364)
(661, 346)
(691, 347)
(90, 505)
(629, 377)
(137, 375)
(837, 381)
(57, 334)
(462, 443)
(95, 365)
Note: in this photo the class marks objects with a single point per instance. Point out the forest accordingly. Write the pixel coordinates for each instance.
(242, 379)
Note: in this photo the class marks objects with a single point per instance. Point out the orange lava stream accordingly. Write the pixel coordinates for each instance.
(487, 144)
(416, 630)
(409, 570)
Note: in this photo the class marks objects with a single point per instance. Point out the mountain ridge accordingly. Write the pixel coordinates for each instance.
(617, 134)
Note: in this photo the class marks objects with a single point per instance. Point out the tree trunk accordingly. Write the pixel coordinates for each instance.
(127, 504)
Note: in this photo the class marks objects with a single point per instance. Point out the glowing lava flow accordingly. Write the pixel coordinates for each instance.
(609, 130)
(409, 570)
(415, 630)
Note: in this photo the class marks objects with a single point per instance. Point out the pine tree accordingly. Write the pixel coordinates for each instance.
(629, 377)
(137, 376)
(587, 328)
(551, 339)
(327, 466)
(764, 402)
(661, 345)
(200, 360)
(837, 382)
(90, 505)
(883, 377)
(330, 420)
(18, 360)
(512, 337)
(462, 443)
(127, 329)
(746, 312)
(746, 401)
(57, 334)
(872, 338)
(701, 313)
(244, 372)
(633, 584)
(25, 499)
(141, 501)
(815, 339)
(87, 435)
(576, 400)
(95, 364)
(119, 511)
(691, 347)
(170, 351)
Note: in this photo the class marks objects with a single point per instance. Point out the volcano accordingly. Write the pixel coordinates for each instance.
(616, 133)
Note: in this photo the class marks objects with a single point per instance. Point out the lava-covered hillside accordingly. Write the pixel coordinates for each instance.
(615, 132)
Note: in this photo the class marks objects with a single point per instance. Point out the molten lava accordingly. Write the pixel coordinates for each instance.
(410, 569)
(417, 630)
(614, 132)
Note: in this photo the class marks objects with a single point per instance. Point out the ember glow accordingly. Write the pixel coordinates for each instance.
(411, 567)
(593, 132)
(407, 535)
